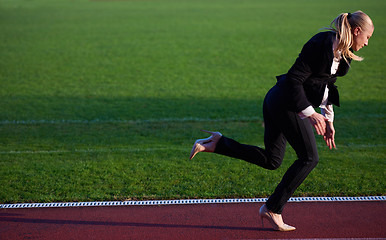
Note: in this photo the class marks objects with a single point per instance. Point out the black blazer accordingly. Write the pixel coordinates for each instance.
(305, 82)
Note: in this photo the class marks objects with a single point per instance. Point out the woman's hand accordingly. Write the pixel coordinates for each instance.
(319, 122)
(329, 136)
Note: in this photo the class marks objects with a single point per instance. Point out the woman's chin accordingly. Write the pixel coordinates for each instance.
(356, 49)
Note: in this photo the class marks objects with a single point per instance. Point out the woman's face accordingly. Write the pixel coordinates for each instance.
(361, 37)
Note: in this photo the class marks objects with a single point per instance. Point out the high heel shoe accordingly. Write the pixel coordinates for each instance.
(205, 145)
(275, 219)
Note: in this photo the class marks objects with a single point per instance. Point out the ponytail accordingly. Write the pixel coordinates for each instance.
(343, 25)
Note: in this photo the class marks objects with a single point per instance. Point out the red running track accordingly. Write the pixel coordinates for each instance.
(361, 220)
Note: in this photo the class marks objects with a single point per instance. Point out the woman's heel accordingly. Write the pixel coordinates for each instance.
(205, 145)
(262, 222)
(275, 219)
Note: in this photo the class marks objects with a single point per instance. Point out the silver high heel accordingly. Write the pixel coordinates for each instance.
(275, 219)
(205, 145)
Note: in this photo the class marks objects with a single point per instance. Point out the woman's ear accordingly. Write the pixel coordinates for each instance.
(356, 31)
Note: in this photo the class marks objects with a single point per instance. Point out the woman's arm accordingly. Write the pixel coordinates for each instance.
(329, 136)
(319, 122)
(328, 112)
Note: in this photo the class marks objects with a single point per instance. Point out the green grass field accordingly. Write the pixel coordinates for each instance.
(102, 100)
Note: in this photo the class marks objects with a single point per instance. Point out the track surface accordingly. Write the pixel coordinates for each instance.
(361, 220)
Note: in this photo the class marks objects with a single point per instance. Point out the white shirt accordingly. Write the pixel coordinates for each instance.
(326, 109)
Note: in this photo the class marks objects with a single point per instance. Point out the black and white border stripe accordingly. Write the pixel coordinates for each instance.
(185, 201)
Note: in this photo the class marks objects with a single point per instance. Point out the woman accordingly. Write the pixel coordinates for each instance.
(289, 113)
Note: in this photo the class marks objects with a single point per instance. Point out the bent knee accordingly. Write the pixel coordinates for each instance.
(273, 165)
(313, 161)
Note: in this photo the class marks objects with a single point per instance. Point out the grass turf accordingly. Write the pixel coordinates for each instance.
(113, 93)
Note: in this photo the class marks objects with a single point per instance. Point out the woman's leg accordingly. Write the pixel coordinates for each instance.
(280, 125)
(300, 135)
(270, 158)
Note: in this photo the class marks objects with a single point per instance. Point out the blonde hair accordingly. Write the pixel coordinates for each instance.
(343, 25)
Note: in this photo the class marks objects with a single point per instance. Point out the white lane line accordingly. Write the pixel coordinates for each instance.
(118, 150)
(151, 120)
(138, 121)
(187, 201)
(90, 150)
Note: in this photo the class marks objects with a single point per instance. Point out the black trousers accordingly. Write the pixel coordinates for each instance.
(281, 125)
